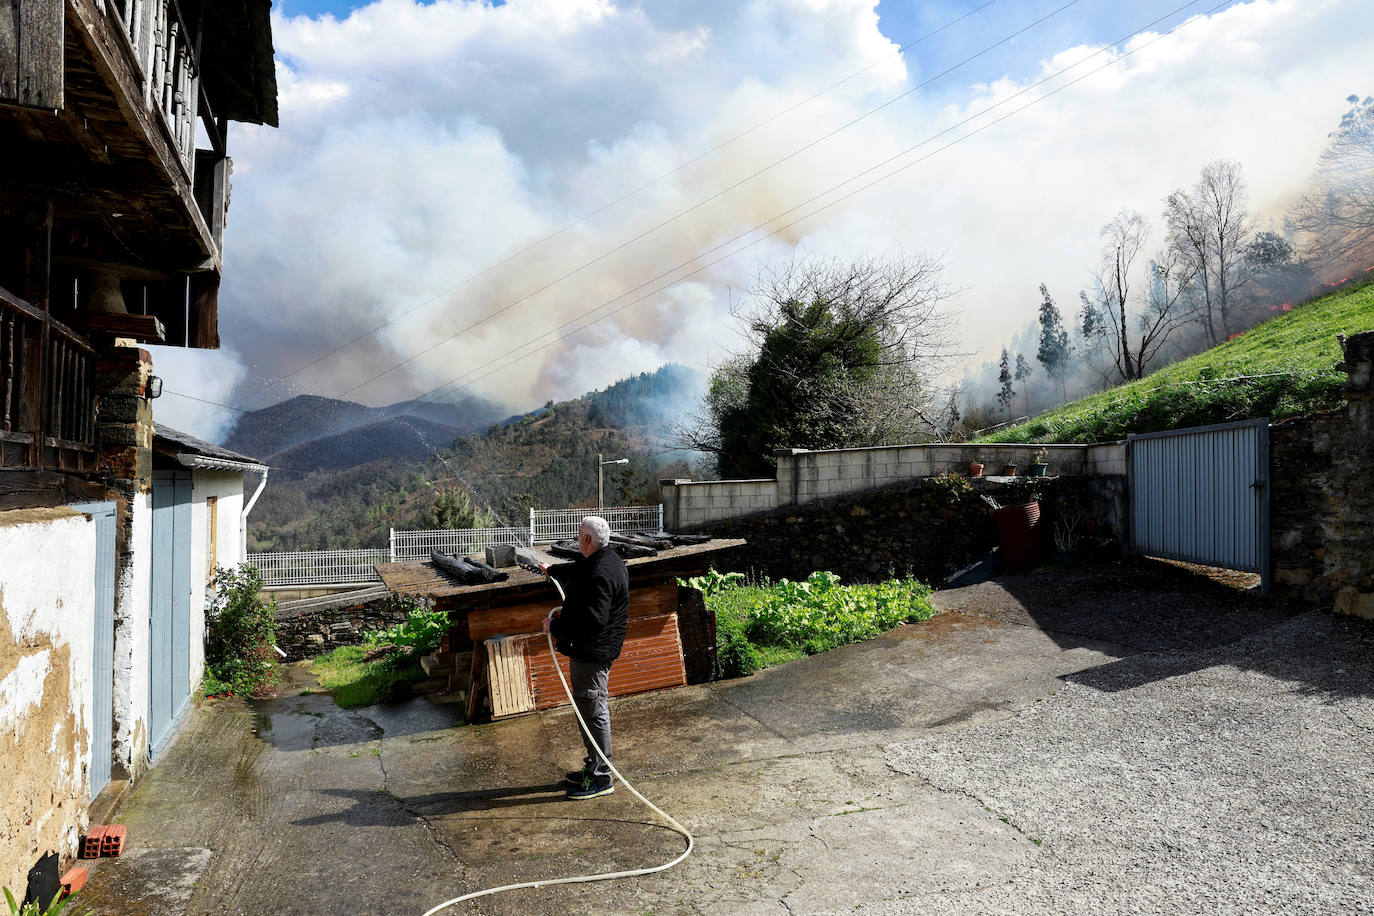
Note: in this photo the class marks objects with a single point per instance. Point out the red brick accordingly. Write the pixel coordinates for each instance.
(113, 843)
(95, 835)
(74, 880)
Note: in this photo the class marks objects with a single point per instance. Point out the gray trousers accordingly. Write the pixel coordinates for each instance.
(589, 692)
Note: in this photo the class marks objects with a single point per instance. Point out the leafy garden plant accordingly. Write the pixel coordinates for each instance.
(240, 654)
(54, 908)
(763, 623)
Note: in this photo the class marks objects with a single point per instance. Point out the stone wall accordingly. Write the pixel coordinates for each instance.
(314, 626)
(928, 528)
(1321, 505)
(807, 476)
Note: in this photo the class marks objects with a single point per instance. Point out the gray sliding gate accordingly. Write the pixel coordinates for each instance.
(1202, 495)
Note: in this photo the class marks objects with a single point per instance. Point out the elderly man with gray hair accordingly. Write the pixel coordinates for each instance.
(590, 631)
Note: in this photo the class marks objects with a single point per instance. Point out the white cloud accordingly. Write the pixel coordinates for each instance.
(421, 144)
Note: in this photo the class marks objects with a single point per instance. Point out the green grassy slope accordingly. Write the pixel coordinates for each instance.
(1280, 368)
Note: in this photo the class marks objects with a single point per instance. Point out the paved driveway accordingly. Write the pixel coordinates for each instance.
(1134, 738)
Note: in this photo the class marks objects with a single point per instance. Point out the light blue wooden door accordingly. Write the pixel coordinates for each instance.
(102, 662)
(169, 660)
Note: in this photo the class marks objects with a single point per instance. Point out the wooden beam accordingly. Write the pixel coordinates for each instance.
(39, 44)
(9, 53)
(146, 328)
(204, 330)
(33, 489)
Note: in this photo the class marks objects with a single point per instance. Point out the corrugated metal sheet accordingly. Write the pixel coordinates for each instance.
(1202, 495)
(651, 660)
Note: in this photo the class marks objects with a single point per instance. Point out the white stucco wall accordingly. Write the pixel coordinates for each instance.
(227, 488)
(47, 603)
(133, 590)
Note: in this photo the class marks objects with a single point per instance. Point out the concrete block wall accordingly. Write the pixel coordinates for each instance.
(808, 476)
(46, 685)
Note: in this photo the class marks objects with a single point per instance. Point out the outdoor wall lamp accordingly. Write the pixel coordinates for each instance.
(153, 387)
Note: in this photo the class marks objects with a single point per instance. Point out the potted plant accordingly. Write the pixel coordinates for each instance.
(1008, 470)
(1038, 466)
(975, 468)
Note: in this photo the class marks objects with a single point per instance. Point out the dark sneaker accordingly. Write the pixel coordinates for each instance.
(591, 788)
(576, 777)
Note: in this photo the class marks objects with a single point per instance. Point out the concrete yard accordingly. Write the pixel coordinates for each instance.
(1136, 737)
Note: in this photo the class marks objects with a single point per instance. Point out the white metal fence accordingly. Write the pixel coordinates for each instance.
(416, 545)
(548, 525)
(318, 567)
(343, 567)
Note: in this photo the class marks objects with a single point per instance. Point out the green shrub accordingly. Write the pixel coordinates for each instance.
(239, 646)
(765, 623)
(820, 614)
(419, 634)
(734, 651)
(712, 582)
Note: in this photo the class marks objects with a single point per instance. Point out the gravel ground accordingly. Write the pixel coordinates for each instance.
(1236, 779)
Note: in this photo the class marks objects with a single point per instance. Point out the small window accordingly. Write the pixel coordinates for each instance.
(212, 526)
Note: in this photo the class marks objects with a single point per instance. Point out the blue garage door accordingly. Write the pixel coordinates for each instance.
(102, 667)
(169, 659)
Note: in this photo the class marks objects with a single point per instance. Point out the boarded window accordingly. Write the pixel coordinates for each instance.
(31, 47)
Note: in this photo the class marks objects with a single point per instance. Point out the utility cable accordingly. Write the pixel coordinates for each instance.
(703, 202)
(702, 267)
(583, 879)
(644, 187)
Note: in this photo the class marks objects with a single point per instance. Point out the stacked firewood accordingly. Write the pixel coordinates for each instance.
(465, 570)
(632, 546)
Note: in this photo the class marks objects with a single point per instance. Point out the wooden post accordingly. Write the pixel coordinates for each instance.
(37, 278)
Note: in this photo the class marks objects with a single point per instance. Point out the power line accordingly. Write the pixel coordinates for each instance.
(628, 194)
(824, 193)
(701, 203)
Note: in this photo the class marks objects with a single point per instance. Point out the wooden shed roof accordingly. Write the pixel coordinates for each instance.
(422, 579)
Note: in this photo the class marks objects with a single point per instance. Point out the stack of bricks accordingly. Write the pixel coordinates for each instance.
(104, 840)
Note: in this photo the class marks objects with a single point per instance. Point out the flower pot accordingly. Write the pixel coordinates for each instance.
(975, 469)
(1008, 470)
(1038, 470)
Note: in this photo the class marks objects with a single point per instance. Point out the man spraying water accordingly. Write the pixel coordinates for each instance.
(590, 630)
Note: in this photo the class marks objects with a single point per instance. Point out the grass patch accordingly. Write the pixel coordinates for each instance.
(355, 682)
(1280, 368)
(761, 624)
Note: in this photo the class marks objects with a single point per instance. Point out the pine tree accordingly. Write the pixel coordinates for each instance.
(1054, 349)
(1006, 392)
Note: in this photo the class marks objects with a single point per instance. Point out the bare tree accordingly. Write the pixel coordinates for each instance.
(1130, 336)
(1104, 318)
(1210, 229)
(1336, 212)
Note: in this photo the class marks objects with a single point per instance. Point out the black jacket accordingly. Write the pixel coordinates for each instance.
(597, 609)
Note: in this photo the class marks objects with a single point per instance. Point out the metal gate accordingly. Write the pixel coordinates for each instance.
(1202, 495)
(169, 620)
(102, 662)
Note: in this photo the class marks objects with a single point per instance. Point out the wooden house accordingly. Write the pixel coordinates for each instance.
(114, 185)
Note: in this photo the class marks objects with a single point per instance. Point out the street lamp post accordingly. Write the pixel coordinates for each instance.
(600, 476)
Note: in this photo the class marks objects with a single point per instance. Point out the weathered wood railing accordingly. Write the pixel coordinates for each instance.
(164, 48)
(47, 397)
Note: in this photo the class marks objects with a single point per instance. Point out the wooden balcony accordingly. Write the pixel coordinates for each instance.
(47, 393)
(102, 103)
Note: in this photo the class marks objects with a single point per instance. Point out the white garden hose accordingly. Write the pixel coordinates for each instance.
(584, 878)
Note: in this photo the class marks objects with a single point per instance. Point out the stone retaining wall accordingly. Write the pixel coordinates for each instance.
(315, 626)
(1321, 504)
(927, 528)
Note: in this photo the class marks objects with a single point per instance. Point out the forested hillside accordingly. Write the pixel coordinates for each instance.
(545, 458)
